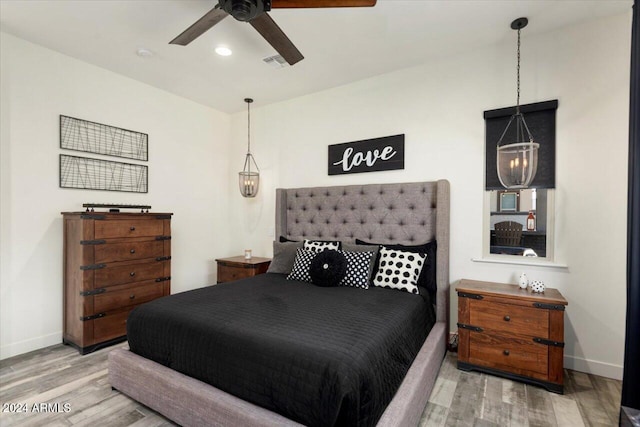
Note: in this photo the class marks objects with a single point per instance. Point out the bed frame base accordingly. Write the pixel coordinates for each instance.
(190, 402)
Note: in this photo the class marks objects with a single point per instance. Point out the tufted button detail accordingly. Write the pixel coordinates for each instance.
(381, 222)
(344, 221)
(319, 208)
(401, 191)
(326, 194)
(401, 223)
(370, 236)
(411, 239)
(297, 221)
(335, 235)
(304, 208)
(335, 208)
(423, 223)
(362, 221)
(391, 207)
(344, 192)
(371, 207)
(411, 207)
(295, 195)
(327, 222)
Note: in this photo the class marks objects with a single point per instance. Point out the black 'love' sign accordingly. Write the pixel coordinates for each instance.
(369, 155)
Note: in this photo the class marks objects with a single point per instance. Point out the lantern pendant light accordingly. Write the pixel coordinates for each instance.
(249, 178)
(517, 161)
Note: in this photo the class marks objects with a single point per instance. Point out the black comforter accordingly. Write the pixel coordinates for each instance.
(319, 356)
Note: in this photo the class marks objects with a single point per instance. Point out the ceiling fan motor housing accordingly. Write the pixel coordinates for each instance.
(245, 10)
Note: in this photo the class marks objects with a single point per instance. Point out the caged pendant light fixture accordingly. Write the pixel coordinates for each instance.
(249, 178)
(517, 160)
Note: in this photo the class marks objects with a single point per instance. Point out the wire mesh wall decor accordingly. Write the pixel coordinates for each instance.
(91, 137)
(95, 174)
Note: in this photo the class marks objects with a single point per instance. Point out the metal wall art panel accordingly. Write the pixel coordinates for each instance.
(369, 155)
(96, 174)
(91, 137)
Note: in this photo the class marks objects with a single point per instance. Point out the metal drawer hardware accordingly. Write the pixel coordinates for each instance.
(133, 273)
(163, 216)
(93, 316)
(133, 251)
(132, 296)
(91, 216)
(93, 242)
(549, 306)
(132, 228)
(163, 258)
(468, 295)
(93, 266)
(469, 327)
(506, 352)
(549, 342)
(163, 279)
(163, 237)
(507, 318)
(93, 292)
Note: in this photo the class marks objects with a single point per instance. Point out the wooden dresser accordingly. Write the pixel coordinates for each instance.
(112, 263)
(238, 267)
(511, 332)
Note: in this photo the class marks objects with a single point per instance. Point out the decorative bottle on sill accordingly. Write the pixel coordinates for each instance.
(531, 221)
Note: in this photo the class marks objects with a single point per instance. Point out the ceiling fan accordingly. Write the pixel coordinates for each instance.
(255, 13)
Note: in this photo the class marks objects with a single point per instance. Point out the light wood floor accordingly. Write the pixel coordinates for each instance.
(58, 374)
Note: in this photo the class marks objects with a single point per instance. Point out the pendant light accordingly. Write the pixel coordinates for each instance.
(249, 178)
(517, 161)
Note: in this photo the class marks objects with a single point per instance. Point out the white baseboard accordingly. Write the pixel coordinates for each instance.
(593, 367)
(21, 347)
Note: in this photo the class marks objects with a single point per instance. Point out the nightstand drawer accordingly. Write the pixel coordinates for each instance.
(228, 274)
(509, 318)
(235, 268)
(509, 352)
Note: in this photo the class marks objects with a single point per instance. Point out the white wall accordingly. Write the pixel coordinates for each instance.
(439, 108)
(188, 175)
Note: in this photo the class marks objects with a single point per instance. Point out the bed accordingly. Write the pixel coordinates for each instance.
(407, 213)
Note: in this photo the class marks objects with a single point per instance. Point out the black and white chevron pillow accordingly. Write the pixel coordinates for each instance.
(399, 270)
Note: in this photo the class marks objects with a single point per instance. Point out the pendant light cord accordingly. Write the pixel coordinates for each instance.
(518, 73)
(248, 128)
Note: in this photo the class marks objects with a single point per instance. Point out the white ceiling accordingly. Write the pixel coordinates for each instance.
(340, 45)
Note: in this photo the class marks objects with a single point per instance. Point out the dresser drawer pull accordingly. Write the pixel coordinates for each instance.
(132, 228)
(506, 352)
(469, 327)
(132, 296)
(92, 267)
(549, 342)
(133, 251)
(163, 258)
(163, 279)
(507, 318)
(93, 316)
(133, 273)
(93, 292)
(93, 242)
(468, 295)
(163, 237)
(549, 306)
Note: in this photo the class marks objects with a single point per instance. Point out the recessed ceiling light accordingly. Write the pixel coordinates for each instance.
(223, 51)
(144, 53)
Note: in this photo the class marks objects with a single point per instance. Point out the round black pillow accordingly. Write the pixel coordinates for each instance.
(328, 268)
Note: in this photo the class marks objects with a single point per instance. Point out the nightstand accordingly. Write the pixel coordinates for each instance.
(238, 267)
(511, 332)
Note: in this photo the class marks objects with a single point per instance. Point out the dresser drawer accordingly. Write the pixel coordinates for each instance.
(135, 294)
(509, 353)
(509, 318)
(128, 228)
(111, 326)
(128, 251)
(110, 276)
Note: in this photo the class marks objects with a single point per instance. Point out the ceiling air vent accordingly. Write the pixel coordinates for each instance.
(276, 61)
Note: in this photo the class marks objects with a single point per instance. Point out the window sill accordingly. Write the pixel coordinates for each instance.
(519, 261)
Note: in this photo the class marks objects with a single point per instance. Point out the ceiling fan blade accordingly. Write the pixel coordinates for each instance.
(201, 26)
(276, 38)
(321, 3)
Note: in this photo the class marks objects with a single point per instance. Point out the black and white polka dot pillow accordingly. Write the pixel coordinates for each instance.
(319, 246)
(302, 265)
(357, 274)
(399, 270)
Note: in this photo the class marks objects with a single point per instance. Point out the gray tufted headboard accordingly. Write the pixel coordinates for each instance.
(406, 213)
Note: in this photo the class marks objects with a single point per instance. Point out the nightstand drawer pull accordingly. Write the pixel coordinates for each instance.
(469, 327)
(132, 228)
(468, 295)
(549, 342)
(132, 251)
(549, 306)
(132, 296)
(506, 352)
(507, 318)
(133, 273)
